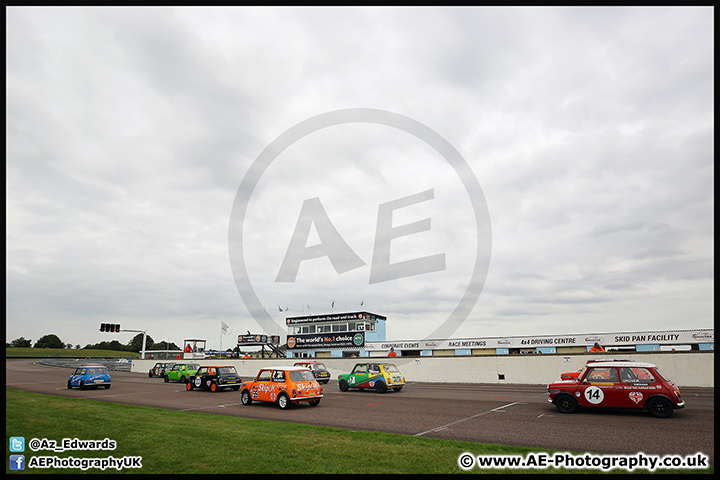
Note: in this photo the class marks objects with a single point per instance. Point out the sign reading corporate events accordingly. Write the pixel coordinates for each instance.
(605, 339)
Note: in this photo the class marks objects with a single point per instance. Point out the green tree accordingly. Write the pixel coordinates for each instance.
(21, 342)
(114, 345)
(163, 345)
(49, 341)
(135, 345)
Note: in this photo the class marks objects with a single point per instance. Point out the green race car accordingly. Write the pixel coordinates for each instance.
(181, 372)
(380, 376)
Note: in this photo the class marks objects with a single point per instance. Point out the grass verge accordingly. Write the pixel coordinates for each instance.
(66, 353)
(189, 442)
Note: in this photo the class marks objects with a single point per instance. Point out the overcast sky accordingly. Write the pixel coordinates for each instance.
(130, 131)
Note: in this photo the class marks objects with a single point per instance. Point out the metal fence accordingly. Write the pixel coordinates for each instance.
(112, 364)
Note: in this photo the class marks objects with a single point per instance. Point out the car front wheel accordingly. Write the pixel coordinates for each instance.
(660, 407)
(166, 379)
(283, 401)
(245, 397)
(69, 385)
(343, 385)
(213, 387)
(380, 387)
(566, 404)
(188, 386)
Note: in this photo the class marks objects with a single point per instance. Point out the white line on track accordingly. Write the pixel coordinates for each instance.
(212, 406)
(443, 427)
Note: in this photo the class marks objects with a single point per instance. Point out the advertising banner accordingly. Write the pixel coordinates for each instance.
(605, 339)
(326, 340)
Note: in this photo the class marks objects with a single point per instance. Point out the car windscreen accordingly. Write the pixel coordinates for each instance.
(320, 367)
(301, 375)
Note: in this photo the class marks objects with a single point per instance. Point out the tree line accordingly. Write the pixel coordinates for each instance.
(53, 341)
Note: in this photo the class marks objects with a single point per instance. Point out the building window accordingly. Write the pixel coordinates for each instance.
(339, 327)
(308, 329)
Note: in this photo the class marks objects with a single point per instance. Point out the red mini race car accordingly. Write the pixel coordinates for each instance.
(617, 384)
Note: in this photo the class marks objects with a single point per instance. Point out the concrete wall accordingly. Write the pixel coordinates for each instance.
(686, 369)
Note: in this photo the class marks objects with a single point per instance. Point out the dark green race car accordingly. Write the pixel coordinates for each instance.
(159, 369)
(378, 376)
(214, 378)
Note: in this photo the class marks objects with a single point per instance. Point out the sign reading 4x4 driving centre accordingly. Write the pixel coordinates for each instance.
(361, 206)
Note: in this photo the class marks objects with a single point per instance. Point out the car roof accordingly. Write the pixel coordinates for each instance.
(217, 366)
(308, 363)
(624, 364)
(92, 365)
(286, 367)
(610, 360)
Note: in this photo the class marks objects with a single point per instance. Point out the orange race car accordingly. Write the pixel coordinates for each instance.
(282, 385)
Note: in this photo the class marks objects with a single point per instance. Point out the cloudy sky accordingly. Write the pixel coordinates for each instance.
(169, 169)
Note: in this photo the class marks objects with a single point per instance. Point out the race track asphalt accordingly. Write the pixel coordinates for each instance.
(516, 415)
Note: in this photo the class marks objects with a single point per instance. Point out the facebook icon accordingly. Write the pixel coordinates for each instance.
(17, 462)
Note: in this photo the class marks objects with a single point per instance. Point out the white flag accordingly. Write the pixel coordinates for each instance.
(225, 329)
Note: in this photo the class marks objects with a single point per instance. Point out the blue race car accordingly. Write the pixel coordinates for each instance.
(87, 376)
